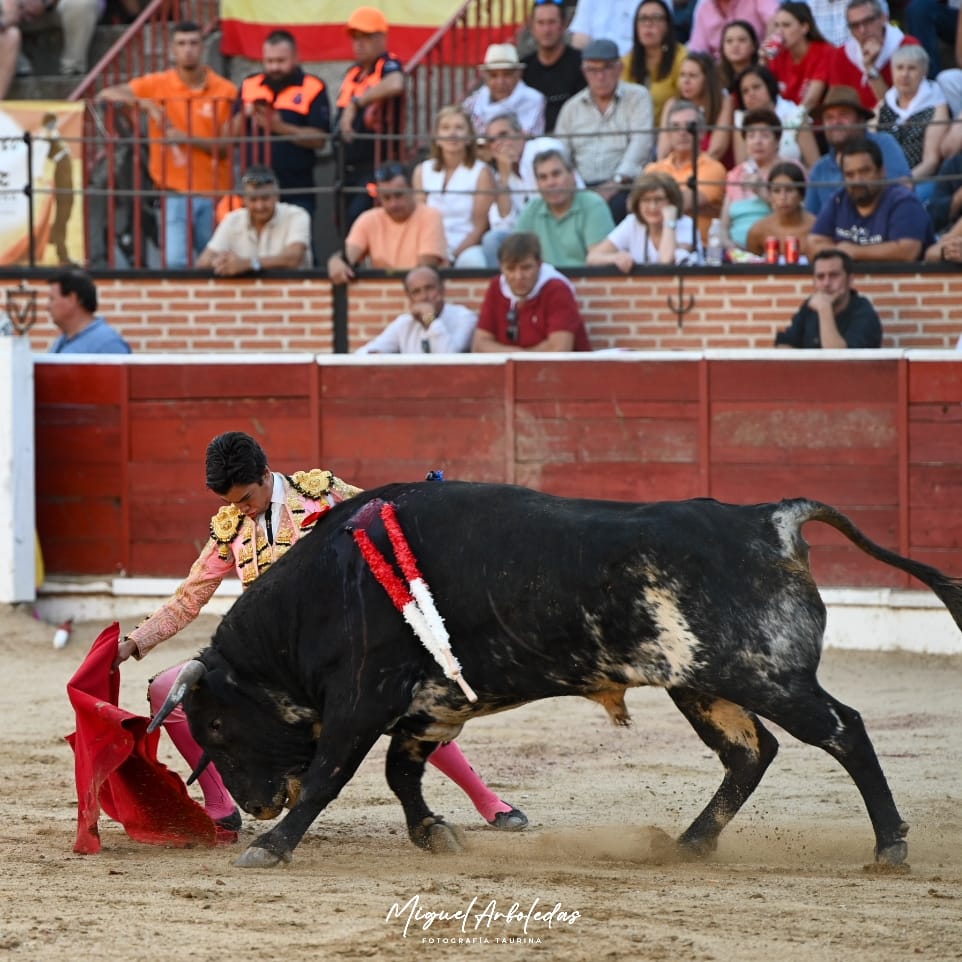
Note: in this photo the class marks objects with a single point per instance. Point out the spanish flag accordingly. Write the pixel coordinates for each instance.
(319, 27)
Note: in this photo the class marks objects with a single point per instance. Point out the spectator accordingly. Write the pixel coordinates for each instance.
(458, 184)
(656, 55)
(553, 68)
(76, 20)
(843, 117)
(72, 303)
(868, 220)
(188, 107)
(503, 90)
(802, 58)
(830, 17)
(368, 104)
(948, 248)
(914, 112)
(788, 219)
(429, 326)
(566, 219)
(529, 306)
(702, 189)
(614, 19)
(699, 83)
(757, 89)
(933, 22)
(398, 235)
(951, 80)
(512, 158)
(746, 186)
(945, 207)
(739, 51)
(607, 128)
(836, 315)
(863, 62)
(287, 115)
(711, 16)
(264, 235)
(11, 59)
(652, 233)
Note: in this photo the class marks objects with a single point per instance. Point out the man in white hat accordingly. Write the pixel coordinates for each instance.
(503, 91)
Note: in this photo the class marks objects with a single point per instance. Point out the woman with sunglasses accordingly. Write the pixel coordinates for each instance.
(457, 183)
(656, 56)
(652, 233)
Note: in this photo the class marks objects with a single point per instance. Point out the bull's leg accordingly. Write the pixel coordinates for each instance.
(406, 758)
(745, 748)
(815, 717)
(340, 750)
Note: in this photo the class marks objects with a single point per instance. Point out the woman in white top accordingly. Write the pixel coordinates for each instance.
(458, 184)
(652, 233)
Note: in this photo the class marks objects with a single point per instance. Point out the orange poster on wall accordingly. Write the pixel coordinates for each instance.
(47, 171)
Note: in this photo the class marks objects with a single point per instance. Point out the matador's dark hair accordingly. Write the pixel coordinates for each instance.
(234, 458)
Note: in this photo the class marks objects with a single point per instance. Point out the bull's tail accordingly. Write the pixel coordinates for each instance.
(948, 589)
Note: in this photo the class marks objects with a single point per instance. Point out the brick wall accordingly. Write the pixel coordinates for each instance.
(741, 309)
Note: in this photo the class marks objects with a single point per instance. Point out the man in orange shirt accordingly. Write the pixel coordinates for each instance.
(706, 189)
(398, 235)
(188, 108)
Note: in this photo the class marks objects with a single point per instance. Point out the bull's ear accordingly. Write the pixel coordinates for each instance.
(189, 675)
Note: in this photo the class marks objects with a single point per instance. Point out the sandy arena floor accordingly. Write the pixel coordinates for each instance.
(787, 883)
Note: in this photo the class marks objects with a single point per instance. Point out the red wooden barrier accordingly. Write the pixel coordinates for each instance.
(120, 447)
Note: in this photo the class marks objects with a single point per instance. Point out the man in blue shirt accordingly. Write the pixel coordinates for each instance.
(868, 220)
(72, 302)
(843, 119)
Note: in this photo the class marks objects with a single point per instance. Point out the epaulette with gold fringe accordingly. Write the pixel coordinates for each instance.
(312, 484)
(226, 524)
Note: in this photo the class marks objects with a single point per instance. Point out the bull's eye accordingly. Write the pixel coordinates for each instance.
(215, 725)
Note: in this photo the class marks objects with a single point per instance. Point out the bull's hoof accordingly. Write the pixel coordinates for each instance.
(437, 837)
(890, 859)
(694, 849)
(257, 857)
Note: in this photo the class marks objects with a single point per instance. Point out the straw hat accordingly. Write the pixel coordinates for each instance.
(501, 56)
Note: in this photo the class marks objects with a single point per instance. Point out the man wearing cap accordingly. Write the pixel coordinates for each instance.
(843, 117)
(503, 91)
(368, 103)
(398, 235)
(607, 127)
(554, 66)
(287, 116)
(863, 62)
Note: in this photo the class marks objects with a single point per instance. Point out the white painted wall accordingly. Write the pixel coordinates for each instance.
(17, 498)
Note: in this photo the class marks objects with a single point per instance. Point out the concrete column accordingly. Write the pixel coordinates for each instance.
(17, 488)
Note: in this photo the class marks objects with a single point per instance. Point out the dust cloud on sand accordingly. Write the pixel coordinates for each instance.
(592, 879)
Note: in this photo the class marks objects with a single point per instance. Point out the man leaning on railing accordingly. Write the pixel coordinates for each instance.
(188, 108)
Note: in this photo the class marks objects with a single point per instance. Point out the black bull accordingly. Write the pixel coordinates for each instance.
(542, 596)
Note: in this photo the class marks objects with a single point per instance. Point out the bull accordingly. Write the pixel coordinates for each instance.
(542, 596)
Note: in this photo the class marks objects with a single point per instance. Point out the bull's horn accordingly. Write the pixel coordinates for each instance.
(190, 674)
(199, 770)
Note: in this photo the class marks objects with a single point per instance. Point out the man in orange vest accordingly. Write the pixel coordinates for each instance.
(368, 104)
(287, 116)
